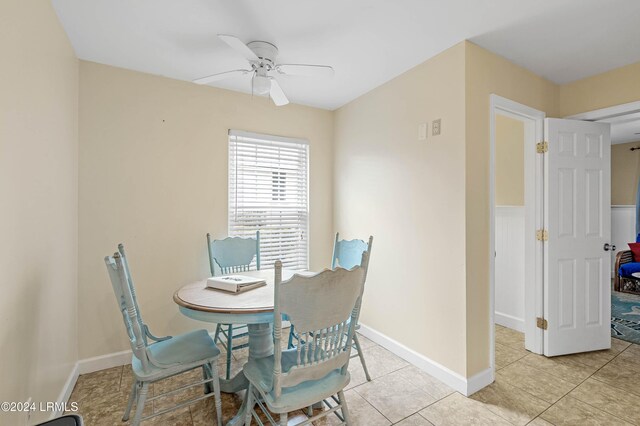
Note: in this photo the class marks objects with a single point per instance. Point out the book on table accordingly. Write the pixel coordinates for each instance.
(235, 283)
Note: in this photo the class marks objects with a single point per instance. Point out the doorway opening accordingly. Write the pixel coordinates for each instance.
(516, 212)
(567, 232)
(625, 177)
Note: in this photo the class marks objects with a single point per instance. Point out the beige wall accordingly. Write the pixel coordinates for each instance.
(38, 218)
(625, 172)
(409, 194)
(509, 161)
(619, 86)
(153, 175)
(488, 73)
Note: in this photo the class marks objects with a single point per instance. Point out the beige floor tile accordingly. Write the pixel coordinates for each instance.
(362, 413)
(617, 374)
(595, 359)
(394, 396)
(562, 367)
(103, 382)
(365, 343)
(512, 404)
(425, 382)
(415, 420)
(357, 374)
(570, 411)
(203, 412)
(107, 409)
(506, 355)
(539, 421)
(508, 337)
(458, 410)
(179, 417)
(380, 361)
(630, 358)
(539, 383)
(177, 381)
(609, 399)
(619, 345)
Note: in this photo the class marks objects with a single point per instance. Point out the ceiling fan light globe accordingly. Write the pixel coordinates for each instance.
(261, 85)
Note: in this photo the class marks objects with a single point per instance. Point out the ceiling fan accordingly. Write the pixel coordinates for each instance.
(262, 60)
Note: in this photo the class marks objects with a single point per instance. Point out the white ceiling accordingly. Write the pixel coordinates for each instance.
(624, 128)
(368, 42)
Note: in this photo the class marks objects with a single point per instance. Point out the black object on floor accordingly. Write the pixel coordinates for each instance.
(68, 420)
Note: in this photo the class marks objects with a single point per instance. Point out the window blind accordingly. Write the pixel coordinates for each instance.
(269, 192)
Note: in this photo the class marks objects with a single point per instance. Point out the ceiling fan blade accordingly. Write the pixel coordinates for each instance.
(277, 95)
(220, 76)
(306, 70)
(238, 46)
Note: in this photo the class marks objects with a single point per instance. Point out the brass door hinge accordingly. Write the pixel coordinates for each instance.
(541, 323)
(542, 235)
(542, 147)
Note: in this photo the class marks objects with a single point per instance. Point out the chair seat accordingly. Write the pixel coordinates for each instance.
(178, 351)
(260, 373)
(627, 269)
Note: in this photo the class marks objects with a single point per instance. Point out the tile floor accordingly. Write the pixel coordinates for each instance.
(597, 388)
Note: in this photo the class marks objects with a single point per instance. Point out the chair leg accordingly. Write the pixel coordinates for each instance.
(216, 336)
(229, 349)
(206, 374)
(344, 408)
(290, 345)
(132, 396)
(142, 397)
(249, 407)
(310, 411)
(361, 355)
(284, 419)
(216, 391)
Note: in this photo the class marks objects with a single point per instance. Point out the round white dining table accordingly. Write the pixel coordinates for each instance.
(254, 308)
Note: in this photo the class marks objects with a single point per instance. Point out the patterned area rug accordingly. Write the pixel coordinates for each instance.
(625, 316)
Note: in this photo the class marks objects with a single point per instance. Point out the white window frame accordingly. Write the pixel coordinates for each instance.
(265, 139)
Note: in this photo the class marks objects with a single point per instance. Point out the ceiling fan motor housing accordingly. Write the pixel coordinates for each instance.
(266, 51)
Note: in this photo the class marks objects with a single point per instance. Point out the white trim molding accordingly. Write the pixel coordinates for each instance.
(67, 388)
(90, 365)
(609, 112)
(102, 362)
(466, 386)
(509, 321)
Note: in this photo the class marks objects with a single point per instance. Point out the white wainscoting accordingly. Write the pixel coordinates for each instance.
(509, 272)
(623, 228)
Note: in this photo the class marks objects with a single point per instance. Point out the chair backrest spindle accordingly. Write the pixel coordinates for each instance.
(323, 309)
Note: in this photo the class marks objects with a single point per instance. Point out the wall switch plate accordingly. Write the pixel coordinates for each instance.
(436, 127)
(422, 131)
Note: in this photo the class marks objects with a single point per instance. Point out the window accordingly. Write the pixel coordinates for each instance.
(268, 192)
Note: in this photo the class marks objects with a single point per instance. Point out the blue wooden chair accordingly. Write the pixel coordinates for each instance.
(324, 309)
(165, 356)
(346, 254)
(229, 256)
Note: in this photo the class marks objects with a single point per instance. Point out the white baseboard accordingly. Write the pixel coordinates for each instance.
(509, 321)
(454, 380)
(97, 363)
(466, 386)
(67, 388)
(90, 365)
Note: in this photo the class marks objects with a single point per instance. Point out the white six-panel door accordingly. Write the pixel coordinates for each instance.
(577, 216)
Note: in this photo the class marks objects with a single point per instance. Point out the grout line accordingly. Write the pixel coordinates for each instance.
(576, 386)
(604, 365)
(355, 389)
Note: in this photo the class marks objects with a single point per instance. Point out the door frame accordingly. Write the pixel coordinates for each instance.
(609, 112)
(534, 132)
